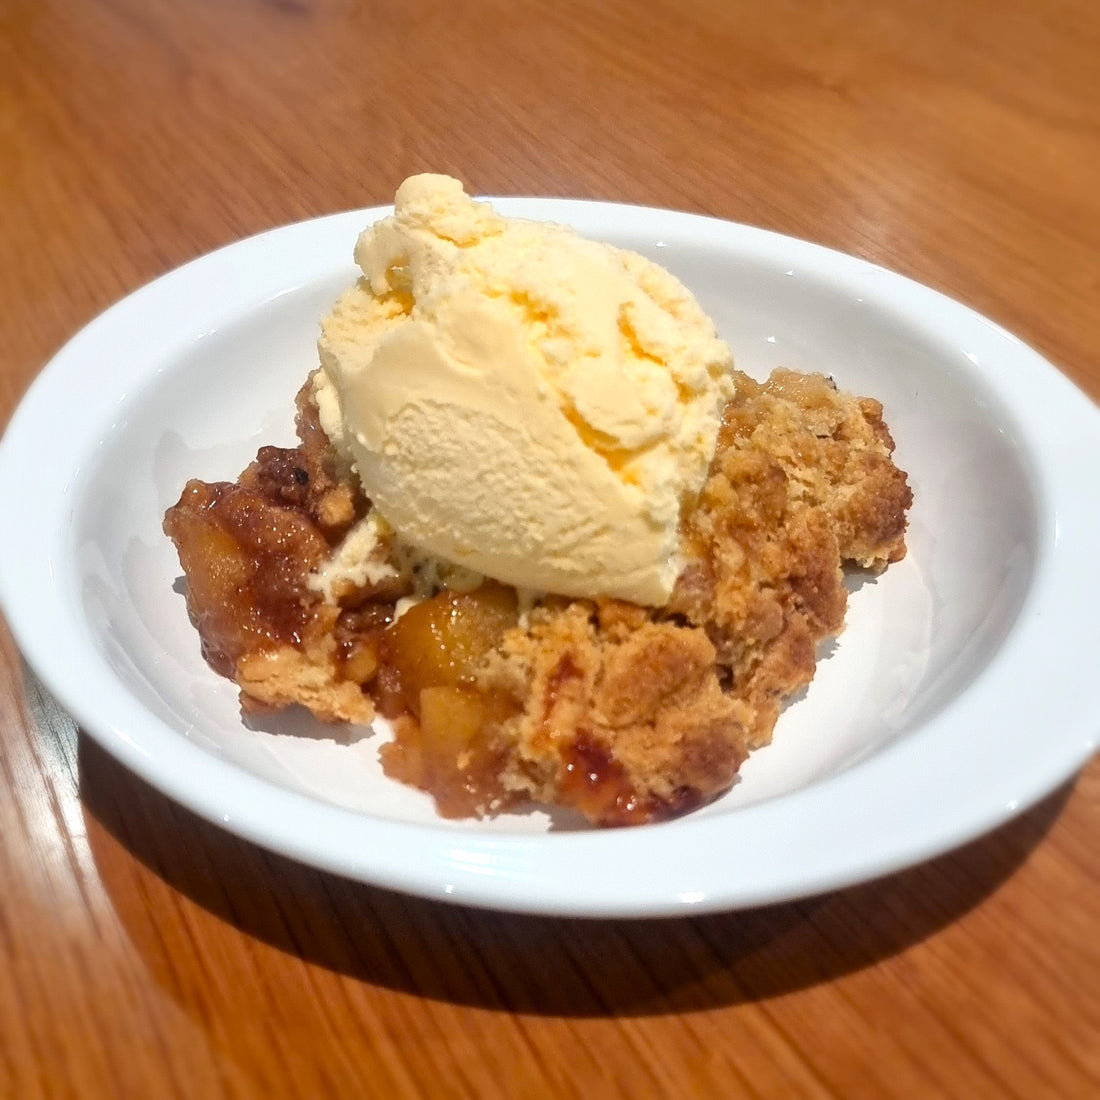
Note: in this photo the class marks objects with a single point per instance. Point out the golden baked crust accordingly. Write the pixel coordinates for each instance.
(626, 714)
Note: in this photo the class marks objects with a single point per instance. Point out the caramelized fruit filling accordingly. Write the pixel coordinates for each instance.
(246, 559)
(445, 725)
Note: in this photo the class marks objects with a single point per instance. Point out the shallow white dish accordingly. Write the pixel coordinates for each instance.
(962, 691)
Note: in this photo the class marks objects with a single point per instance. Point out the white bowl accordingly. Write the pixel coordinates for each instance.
(963, 689)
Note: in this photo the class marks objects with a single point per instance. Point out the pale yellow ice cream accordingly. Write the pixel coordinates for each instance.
(520, 401)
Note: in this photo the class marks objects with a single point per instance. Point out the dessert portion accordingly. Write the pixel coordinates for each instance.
(538, 521)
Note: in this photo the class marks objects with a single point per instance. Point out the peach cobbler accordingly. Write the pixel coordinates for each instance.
(625, 713)
(537, 521)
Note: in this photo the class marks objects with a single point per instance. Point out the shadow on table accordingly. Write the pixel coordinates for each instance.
(526, 964)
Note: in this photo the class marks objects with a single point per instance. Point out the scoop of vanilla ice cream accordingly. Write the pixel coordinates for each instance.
(520, 401)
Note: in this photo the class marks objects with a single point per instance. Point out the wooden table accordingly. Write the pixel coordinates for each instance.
(147, 953)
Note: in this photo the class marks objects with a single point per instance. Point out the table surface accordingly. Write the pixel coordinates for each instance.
(149, 954)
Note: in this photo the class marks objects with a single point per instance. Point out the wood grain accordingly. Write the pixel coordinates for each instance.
(147, 953)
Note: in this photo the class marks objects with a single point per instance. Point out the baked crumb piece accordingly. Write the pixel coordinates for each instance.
(802, 482)
(247, 550)
(624, 724)
(626, 714)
